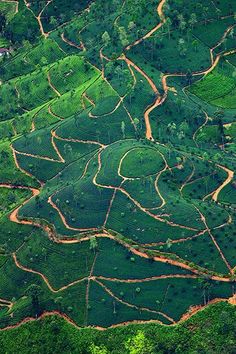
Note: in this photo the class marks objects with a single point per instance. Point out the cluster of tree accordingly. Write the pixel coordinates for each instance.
(209, 331)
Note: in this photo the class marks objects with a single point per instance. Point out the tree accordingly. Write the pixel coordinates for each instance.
(53, 21)
(123, 128)
(168, 24)
(205, 156)
(182, 47)
(34, 292)
(182, 22)
(171, 128)
(136, 121)
(118, 72)
(195, 44)
(184, 126)
(106, 38)
(231, 33)
(205, 284)
(181, 135)
(169, 243)
(3, 21)
(139, 344)
(218, 11)
(131, 26)
(59, 300)
(93, 244)
(123, 36)
(189, 77)
(94, 349)
(44, 253)
(205, 14)
(193, 20)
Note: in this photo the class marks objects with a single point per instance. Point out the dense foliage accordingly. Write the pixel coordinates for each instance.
(211, 331)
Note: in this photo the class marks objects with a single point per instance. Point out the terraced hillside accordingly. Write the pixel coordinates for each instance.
(117, 155)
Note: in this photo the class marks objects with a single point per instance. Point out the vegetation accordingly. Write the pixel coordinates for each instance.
(117, 178)
(216, 324)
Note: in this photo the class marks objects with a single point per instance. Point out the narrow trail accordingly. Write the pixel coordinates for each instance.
(33, 126)
(157, 27)
(141, 280)
(63, 219)
(17, 90)
(13, 2)
(88, 288)
(188, 179)
(107, 290)
(38, 18)
(52, 86)
(14, 214)
(223, 185)
(158, 175)
(190, 313)
(72, 44)
(45, 279)
(195, 309)
(109, 208)
(214, 241)
(130, 63)
(179, 240)
(145, 210)
(78, 140)
(218, 44)
(53, 137)
(37, 156)
(14, 153)
(121, 98)
(166, 167)
(230, 177)
(120, 101)
(158, 101)
(200, 128)
(141, 252)
(6, 303)
(85, 96)
(50, 111)
(204, 72)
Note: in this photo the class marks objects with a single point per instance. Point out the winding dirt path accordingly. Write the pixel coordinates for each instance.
(179, 240)
(158, 101)
(226, 182)
(201, 127)
(214, 241)
(38, 18)
(139, 252)
(145, 210)
(107, 290)
(45, 279)
(88, 287)
(157, 27)
(190, 313)
(70, 43)
(50, 111)
(52, 86)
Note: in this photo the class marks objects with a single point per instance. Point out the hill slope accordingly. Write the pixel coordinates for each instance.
(117, 148)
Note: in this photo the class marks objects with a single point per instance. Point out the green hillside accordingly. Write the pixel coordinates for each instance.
(117, 155)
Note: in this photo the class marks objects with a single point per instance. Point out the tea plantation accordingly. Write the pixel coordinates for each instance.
(117, 160)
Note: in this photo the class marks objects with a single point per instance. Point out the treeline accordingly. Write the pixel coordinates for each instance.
(212, 330)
